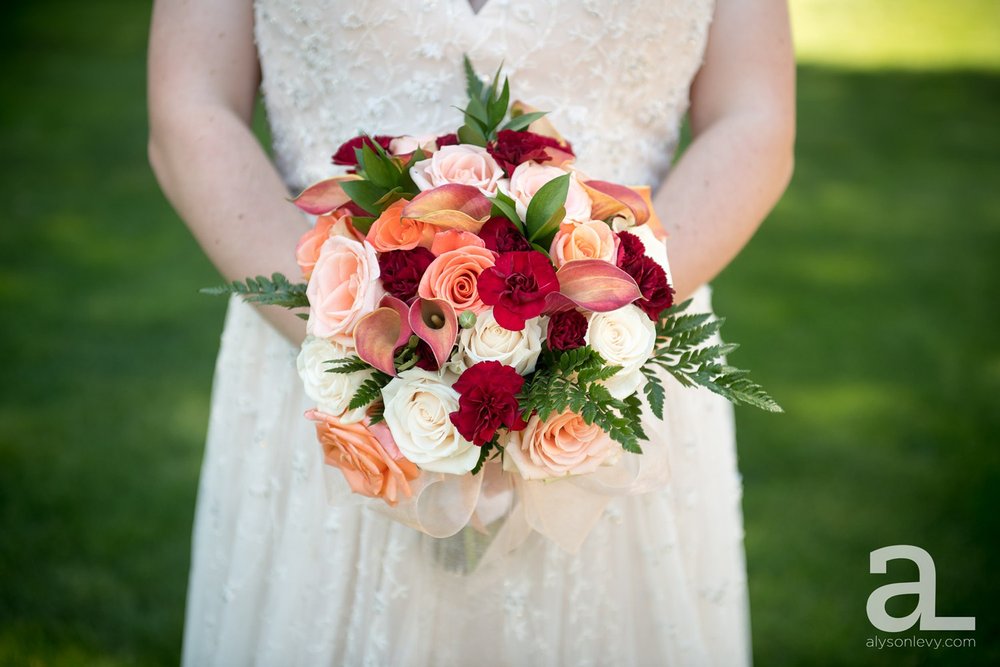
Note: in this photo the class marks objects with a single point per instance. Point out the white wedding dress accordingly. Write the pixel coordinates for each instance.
(280, 576)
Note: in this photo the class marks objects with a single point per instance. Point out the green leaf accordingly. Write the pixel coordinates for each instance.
(365, 195)
(378, 169)
(351, 364)
(273, 291)
(497, 108)
(545, 205)
(521, 122)
(369, 391)
(468, 134)
(505, 206)
(473, 84)
(544, 234)
(362, 223)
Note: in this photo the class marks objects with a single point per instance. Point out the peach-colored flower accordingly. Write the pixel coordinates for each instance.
(407, 144)
(307, 250)
(530, 176)
(588, 240)
(463, 164)
(391, 231)
(453, 239)
(343, 288)
(453, 276)
(560, 446)
(367, 456)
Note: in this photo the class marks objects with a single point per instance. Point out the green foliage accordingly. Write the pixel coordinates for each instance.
(273, 291)
(369, 391)
(384, 179)
(572, 381)
(546, 210)
(681, 351)
(489, 450)
(351, 364)
(487, 107)
(505, 206)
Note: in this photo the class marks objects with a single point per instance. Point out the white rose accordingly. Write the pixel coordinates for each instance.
(655, 248)
(530, 176)
(332, 392)
(488, 341)
(624, 337)
(463, 164)
(418, 405)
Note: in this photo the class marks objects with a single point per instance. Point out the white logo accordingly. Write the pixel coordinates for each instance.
(925, 588)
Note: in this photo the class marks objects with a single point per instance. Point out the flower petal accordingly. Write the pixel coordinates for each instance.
(397, 304)
(435, 322)
(596, 285)
(325, 196)
(454, 206)
(609, 199)
(376, 336)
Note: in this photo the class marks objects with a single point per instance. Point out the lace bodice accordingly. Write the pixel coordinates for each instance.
(334, 67)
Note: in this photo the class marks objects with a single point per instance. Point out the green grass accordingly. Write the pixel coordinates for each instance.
(867, 304)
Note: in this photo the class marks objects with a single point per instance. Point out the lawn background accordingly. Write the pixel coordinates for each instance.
(867, 304)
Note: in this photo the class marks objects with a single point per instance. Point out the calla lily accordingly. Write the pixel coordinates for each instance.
(610, 199)
(434, 321)
(452, 206)
(376, 337)
(594, 284)
(325, 196)
(389, 301)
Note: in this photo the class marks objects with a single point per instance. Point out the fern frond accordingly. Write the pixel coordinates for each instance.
(274, 291)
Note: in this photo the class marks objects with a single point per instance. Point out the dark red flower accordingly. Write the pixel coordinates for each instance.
(500, 235)
(657, 293)
(487, 400)
(402, 269)
(425, 357)
(446, 140)
(567, 330)
(516, 287)
(345, 154)
(512, 148)
(630, 250)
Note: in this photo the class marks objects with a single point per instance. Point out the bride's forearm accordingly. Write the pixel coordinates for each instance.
(718, 194)
(223, 185)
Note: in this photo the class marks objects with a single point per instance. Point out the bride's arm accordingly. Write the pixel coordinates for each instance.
(743, 124)
(203, 77)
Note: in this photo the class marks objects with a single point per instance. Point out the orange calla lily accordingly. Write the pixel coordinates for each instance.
(325, 196)
(451, 206)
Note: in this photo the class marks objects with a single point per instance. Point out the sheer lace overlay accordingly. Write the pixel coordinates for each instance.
(284, 575)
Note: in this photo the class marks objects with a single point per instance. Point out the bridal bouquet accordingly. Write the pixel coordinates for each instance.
(474, 296)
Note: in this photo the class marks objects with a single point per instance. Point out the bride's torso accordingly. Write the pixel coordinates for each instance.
(614, 74)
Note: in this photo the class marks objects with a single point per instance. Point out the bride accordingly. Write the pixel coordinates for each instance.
(285, 572)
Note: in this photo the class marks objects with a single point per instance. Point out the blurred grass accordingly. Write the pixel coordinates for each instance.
(867, 304)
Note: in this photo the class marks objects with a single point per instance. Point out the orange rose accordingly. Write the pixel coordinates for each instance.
(391, 231)
(588, 240)
(366, 455)
(453, 276)
(560, 446)
(453, 239)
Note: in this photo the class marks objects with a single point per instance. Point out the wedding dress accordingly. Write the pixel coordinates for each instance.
(282, 575)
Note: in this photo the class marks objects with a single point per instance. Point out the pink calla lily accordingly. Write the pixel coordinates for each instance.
(596, 285)
(452, 206)
(610, 199)
(376, 337)
(325, 196)
(435, 322)
(389, 301)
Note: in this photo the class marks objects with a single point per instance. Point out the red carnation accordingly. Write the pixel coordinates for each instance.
(512, 148)
(516, 287)
(487, 401)
(567, 330)
(446, 140)
(402, 269)
(657, 294)
(630, 250)
(345, 154)
(500, 235)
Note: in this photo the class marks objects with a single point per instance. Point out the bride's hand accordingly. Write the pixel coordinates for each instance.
(203, 78)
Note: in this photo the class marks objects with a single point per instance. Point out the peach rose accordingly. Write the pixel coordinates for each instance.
(367, 456)
(343, 288)
(588, 240)
(530, 176)
(307, 250)
(391, 231)
(463, 164)
(561, 446)
(453, 239)
(453, 276)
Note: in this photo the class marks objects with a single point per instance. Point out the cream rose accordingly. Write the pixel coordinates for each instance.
(561, 446)
(463, 164)
(332, 392)
(418, 405)
(343, 288)
(488, 341)
(587, 240)
(624, 337)
(530, 176)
